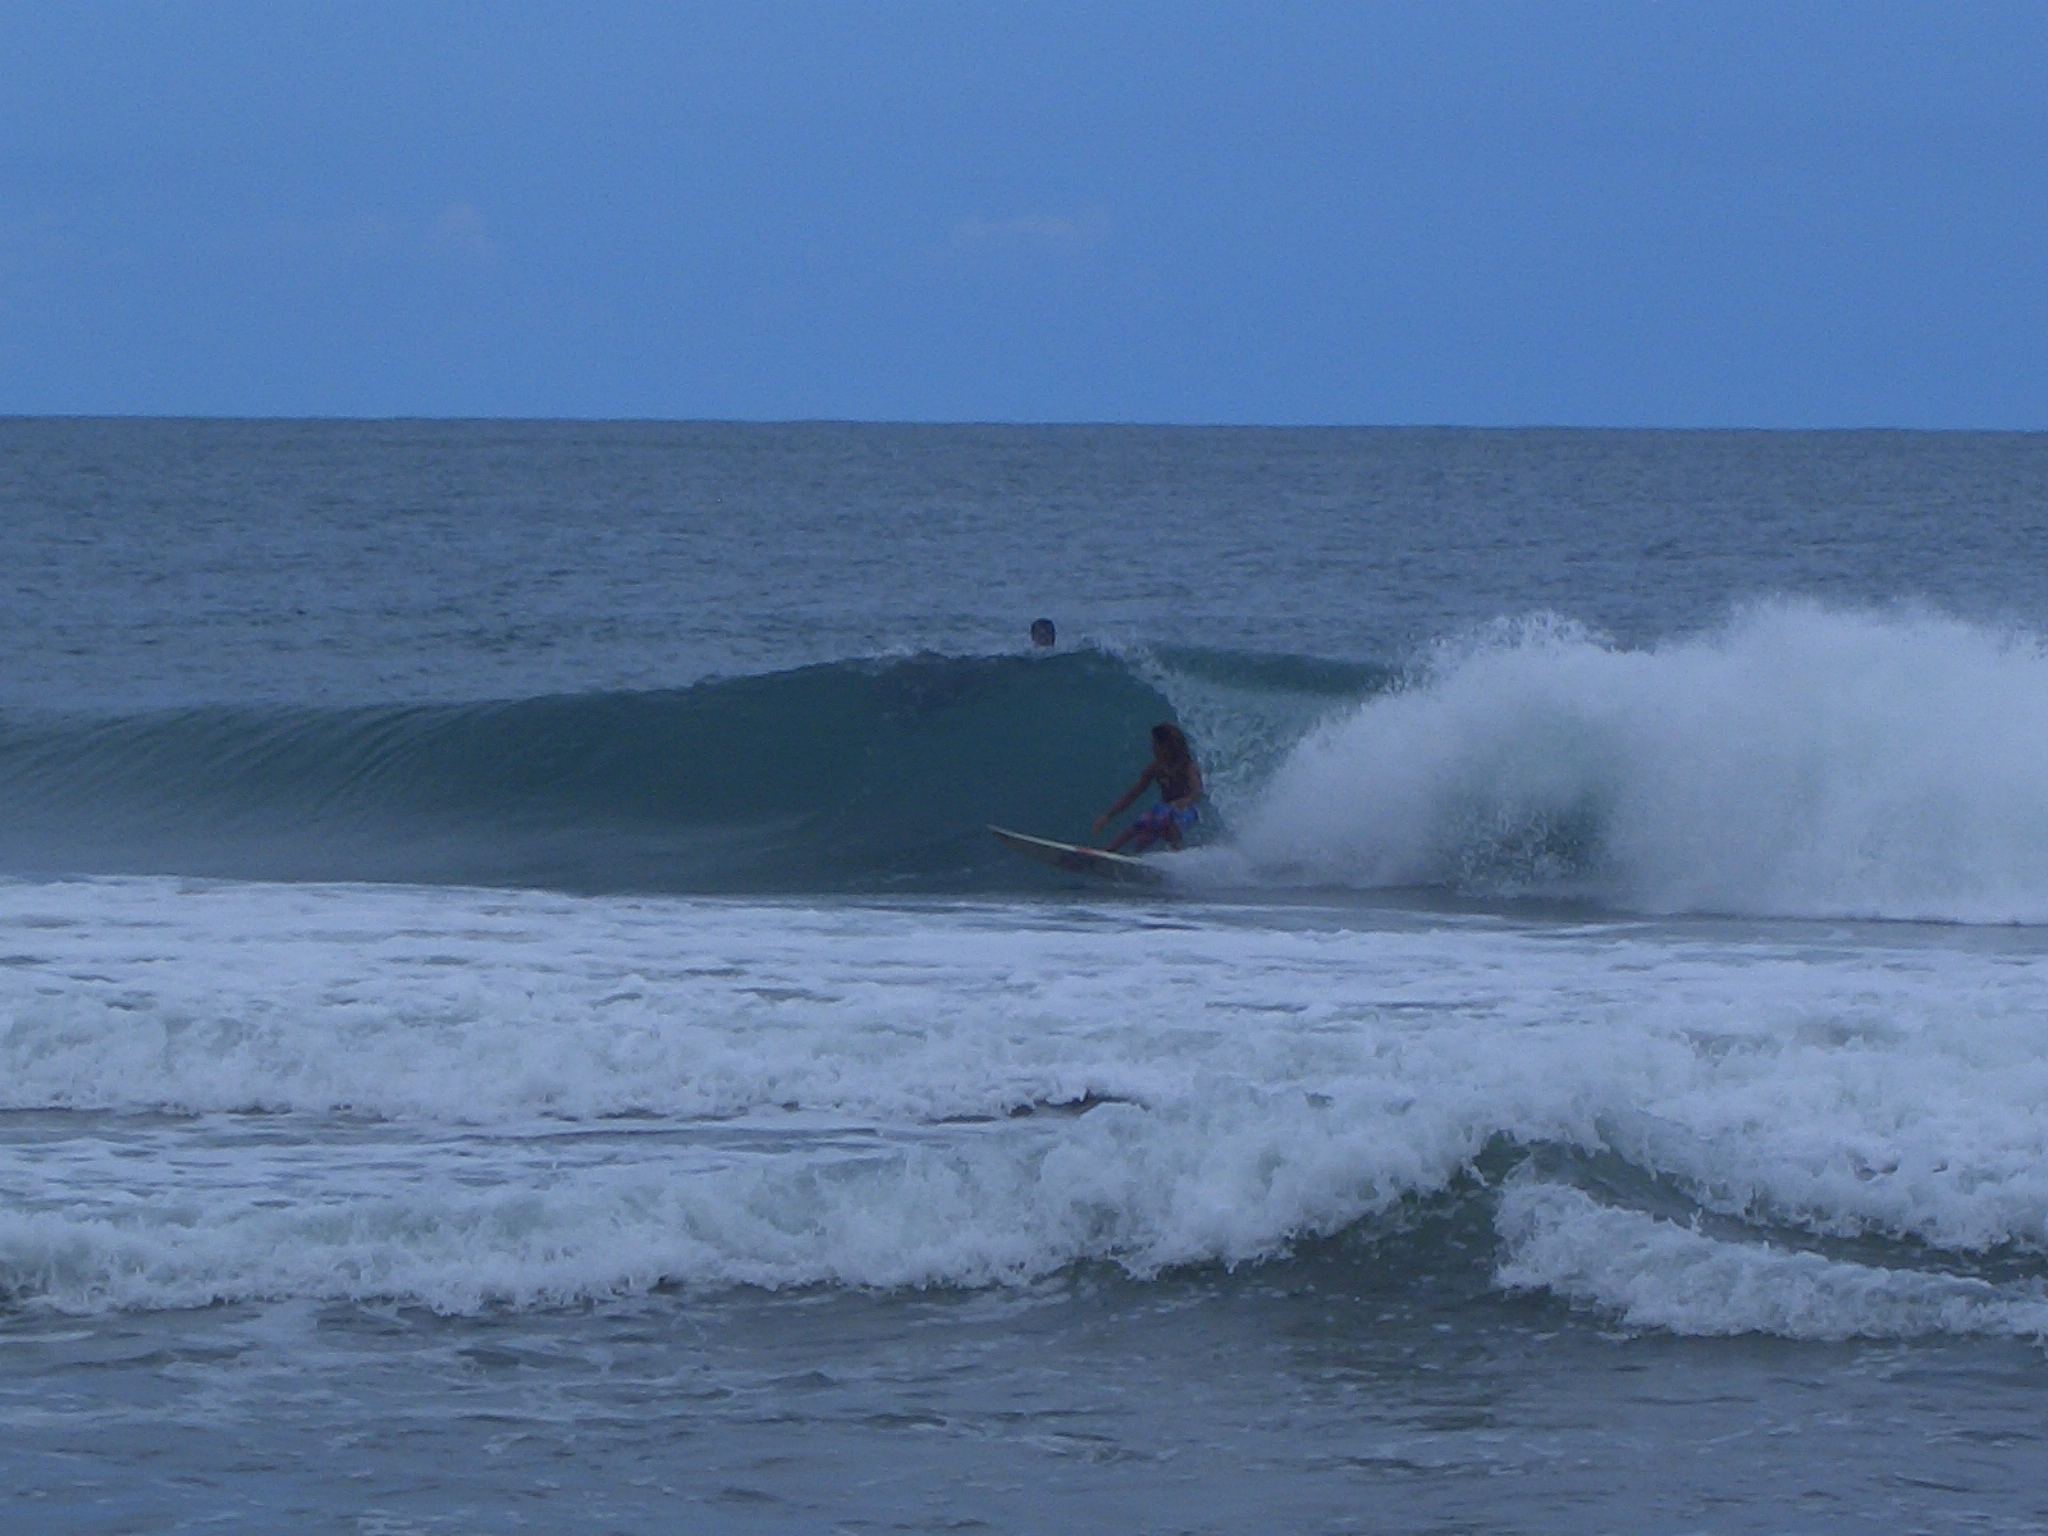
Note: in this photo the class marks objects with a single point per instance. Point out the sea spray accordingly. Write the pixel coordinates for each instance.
(1796, 761)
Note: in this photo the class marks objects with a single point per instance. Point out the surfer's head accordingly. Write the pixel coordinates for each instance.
(1169, 745)
(1041, 632)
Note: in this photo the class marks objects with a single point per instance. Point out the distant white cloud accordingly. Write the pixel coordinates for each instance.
(1038, 231)
(458, 234)
(357, 234)
(459, 231)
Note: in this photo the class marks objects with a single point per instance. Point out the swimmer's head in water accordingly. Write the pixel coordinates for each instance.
(1041, 632)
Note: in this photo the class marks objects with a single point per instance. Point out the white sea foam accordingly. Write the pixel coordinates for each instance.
(1657, 1274)
(475, 1097)
(1798, 761)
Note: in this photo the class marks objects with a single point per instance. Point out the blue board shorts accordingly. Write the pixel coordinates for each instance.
(1155, 822)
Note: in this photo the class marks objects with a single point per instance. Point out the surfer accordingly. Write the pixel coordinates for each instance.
(1042, 634)
(1180, 785)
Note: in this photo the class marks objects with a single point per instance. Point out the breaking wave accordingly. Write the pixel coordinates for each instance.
(1795, 762)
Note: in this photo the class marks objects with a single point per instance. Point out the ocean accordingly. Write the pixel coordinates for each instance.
(511, 1018)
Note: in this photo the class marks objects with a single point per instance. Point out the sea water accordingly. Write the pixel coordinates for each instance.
(510, 1018)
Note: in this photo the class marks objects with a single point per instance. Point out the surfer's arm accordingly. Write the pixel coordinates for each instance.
(1129, 795)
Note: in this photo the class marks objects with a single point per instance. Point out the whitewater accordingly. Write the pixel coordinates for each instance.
(510, 1015)
(1794, 761)
(692, 1093)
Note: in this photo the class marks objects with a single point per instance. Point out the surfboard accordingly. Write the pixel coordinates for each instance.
(1093, 862)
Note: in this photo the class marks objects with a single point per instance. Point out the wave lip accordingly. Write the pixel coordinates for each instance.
(1797, 762)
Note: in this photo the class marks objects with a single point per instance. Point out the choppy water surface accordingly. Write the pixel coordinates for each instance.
(510, 1019)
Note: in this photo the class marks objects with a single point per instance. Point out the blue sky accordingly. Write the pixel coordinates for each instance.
(1630, 214)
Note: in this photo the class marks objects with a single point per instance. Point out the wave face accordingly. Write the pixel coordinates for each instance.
(1795, 762)
(867, 775)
